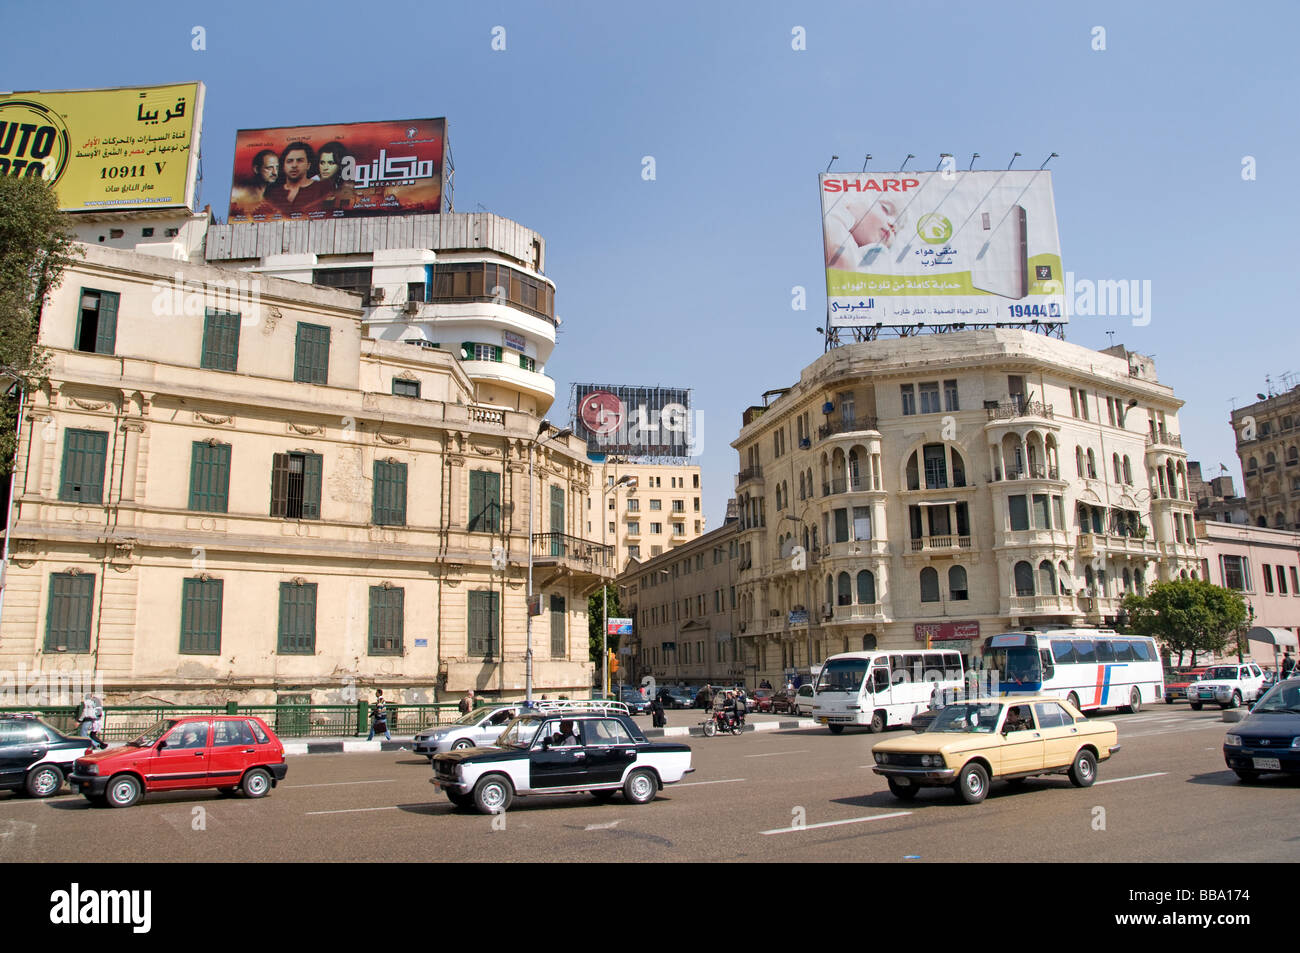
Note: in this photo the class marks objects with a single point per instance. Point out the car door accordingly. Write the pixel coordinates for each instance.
(610, 749)
(17, 751)
(181, 758)
(555, 765)
(234, 750)
(487, 731)
(1060, 734)
(1022, 748)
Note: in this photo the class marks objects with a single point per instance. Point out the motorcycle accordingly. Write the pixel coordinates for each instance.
(726, 722)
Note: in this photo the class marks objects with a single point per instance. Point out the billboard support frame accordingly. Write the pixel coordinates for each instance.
(864, 333)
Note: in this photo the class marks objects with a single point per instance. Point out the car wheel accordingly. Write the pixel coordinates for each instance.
(1247, 777)
(903, 790)
(462, 745)
(1073, 699)
(603, 796)
(44, 781)
(835, 729)
(1168, 700)
(256, 783)
(1236, 700)
(710, 728)
(1084, 770)
(493, 794)
(123, 791)
(1196, 706)
(460, 800)
(1134, 702)
(640, 787)
(878, 722)
(973, 783)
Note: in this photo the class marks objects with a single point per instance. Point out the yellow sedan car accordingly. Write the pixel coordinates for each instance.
(970, 744)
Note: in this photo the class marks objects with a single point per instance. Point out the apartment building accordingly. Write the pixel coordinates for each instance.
(940, 488)
(645, 509)
(1263, 565)
(1268, 445)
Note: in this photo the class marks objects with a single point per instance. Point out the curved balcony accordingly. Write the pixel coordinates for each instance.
(944, 544)
(857, 614)
(512, 377)
(1042, 605)
(838, 428)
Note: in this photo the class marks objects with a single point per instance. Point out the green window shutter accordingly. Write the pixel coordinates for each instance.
(492, 502)
(106, 338)
(312, 354)
(67, 620)
(312, 464)
(279, 484)
(484, 614)
(386, 625)
(389, 497)
(476, 501)
(201, 601)
(220, 341)
(467, 351)
(559, 648)
(297, 619)
(84, 456)
(496, 356)
(209, 477)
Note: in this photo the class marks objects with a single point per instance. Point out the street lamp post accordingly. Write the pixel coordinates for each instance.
(13, 488)
(807, 588)
(626, 479)
(528, 624)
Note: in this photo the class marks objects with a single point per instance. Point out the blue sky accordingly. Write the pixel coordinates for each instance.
(686, 280)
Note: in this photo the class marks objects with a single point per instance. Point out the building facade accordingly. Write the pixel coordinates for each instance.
(1264, 566)
(944, 487)
(1268, 445)
(647, 508)
(228, 491)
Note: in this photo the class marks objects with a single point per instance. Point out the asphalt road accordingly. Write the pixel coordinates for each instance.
(801, 795)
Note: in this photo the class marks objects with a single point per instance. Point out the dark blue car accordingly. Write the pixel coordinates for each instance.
(1268, 740)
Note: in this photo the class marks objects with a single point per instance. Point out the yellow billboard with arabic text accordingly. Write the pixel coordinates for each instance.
(106, 149)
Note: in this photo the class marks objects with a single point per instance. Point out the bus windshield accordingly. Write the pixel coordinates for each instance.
(843, 675)
(1017, 665)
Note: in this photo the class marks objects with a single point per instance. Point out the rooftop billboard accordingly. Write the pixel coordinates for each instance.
(633, 421)
(106, 149)
(940, 248)
(340, 171)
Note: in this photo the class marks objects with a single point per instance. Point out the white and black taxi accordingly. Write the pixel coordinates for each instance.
(564, 752)
(35, 757)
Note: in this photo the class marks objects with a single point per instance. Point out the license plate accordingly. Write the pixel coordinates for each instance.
(1207, 694)
(824, 721)
(1267, 764)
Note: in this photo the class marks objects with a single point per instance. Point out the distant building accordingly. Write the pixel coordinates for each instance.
(1216, 500)
(1268, 445)
(657, 508)
(1264, 566)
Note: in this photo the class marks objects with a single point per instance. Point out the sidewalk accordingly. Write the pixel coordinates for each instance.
(680, 724)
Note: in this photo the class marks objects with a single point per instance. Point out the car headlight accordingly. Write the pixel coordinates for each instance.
(882, 759)
(1232, 740)
(92, 769)
(1295, 742)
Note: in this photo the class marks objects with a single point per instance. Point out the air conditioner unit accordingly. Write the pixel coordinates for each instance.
(805, 443)
(376, 295)
(412, 307)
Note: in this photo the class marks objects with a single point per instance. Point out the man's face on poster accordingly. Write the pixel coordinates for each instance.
(296, 165)
(270, 170)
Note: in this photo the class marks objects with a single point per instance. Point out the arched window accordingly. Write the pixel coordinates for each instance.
(1063, 573)
(1046, 578)
(1024, 579)
(801, 486)
(1078, 461)
(958, 468)
(957, 584)
(1128, 581)
(1114, 458)
(845, 590)
(913, 474)
(929, 584)
(1262, 522)
(855, 474)
(1270, 460)
(1128, 471)
(1183, 574)
(866, 588)
(1292, 457)
(1279, 521)
(1252, 464)
(1138, 581)
(1092, 465)
(1089, 580)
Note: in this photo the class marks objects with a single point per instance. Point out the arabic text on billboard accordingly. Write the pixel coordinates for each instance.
(941, 248)
(105, 149)
(338, 171)
(947, 631)
(633, 421)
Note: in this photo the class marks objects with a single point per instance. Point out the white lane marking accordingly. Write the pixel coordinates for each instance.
(691, 784)
(602, 827)
(354, 810)
(1136, 777)
(851, 820)
(331, 784)
(773, 754)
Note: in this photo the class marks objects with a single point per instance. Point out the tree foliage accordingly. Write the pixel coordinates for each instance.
(36, 247)
(595, 619)
(1187, 615)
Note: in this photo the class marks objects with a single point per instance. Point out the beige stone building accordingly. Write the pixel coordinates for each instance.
(1268, 445)
(943, 487)
(647, 508)
(227, 491)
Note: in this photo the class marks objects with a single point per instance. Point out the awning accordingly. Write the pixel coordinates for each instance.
(936, 502)
(1283, 638)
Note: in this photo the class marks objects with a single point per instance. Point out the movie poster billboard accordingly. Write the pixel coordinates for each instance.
(941, 248)
(106, 149)
(633, 421)
(344, 170)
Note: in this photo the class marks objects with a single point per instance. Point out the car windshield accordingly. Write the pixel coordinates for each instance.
(150, 737)
(1280, 698)
(967, 719)
(843, 675)
(1222, 671)
(520, 732)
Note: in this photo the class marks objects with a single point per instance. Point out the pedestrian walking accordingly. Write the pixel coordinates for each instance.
(379, 716)
(1288, 665)
(467, 703)
(90, 720)
(657, 711)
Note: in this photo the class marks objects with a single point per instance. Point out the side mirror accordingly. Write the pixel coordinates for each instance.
(162, 744)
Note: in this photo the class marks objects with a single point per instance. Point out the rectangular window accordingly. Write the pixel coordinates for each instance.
(67, 621)
(1236, 573)
(679, 529)
(388, 503)
(527, 363)
(1295, 582)
(97, 321)
(841, 526)
(220, 341)
(386, 620)
(1042, 519)
(950, 402)
(656, 528)
(656, 504)
(1281, 580)
(861, 522)
(634, 506)
(1268, 578)
(559, 641)
(963, 519)
(357, 280)
(634, 528)
(930, 398)
(84, 455)
(405, 388)
(201, 601)
(909, 400)
(415, 291)
(1083, 405)
(311, 354)
(484, 620)
(1059, 511)
(484, 501)
(936, 467)
(1110, 410)
(295, 485)
(1074, 402)
(1019, 508)
(297, 619)
(679, 506)
(209, 476)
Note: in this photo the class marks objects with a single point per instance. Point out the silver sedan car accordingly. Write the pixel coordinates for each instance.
(478, 729)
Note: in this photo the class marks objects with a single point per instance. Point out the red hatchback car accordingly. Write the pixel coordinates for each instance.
(181, 754)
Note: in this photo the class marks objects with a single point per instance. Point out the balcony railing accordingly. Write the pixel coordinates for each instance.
(1164, 439)
(1036, 471)
(572, 549)
(858, 613)
(749, 473)
(856, 425)
(1010, 409)
(835, 486)
(930, 543)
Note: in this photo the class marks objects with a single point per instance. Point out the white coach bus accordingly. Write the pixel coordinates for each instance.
(1089, 668)
(881, 689)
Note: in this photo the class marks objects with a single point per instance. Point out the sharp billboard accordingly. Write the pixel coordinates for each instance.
(922, 249)
(633, 421)
(344, 170)
(106, 149)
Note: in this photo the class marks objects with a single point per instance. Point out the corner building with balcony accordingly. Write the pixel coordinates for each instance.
(941, 488)
(227, 491)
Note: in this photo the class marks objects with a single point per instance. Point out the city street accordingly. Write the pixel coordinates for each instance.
(785, 795)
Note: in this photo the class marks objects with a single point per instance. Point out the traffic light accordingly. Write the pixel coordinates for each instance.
(613, 662)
